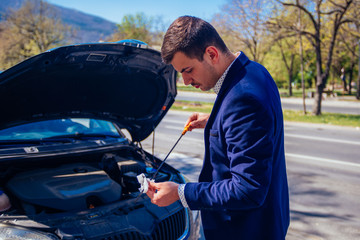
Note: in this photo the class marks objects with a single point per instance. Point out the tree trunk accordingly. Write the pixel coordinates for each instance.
(358, 86)
(333, 81)
(302, 64)
(344, 84)
(351, 70)
(358, 80)
(291, 70)
(317, 100)
(320, 82)
(290, 81)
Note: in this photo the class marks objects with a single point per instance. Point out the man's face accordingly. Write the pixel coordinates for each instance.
(199, 74)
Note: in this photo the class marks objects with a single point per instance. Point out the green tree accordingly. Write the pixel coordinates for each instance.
(325, 17)
(290, 44)
(341, 64)
(136, 26)
(350, 43)
(286, 42)
(32, 29)
(275, 65)
(288, 54)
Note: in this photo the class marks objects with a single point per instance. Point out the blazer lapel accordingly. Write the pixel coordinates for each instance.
(240, 62)
(234, 70)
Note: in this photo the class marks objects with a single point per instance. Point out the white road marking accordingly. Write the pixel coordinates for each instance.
(322, 160)
(305, 157)
(322, 139)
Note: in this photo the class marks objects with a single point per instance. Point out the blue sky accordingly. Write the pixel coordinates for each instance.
(114, 10)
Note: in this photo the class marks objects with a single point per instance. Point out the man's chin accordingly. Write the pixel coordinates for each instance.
(204, 89)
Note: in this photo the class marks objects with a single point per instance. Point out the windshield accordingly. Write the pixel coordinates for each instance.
(59, 127)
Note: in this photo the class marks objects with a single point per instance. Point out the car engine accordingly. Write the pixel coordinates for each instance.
(74, 186)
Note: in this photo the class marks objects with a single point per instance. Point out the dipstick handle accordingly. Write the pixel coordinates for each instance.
(186, 128)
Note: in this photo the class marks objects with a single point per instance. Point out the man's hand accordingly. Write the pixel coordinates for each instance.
(197, 120)
(163, 194)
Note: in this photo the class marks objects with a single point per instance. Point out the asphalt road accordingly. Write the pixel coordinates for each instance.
(323, 166)
(329, 104)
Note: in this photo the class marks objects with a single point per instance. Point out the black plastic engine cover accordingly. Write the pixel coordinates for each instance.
(69, 187)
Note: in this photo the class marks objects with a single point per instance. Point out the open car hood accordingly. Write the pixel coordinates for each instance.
(124, 82)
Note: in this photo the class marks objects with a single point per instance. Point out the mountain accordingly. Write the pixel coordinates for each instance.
(89, 28)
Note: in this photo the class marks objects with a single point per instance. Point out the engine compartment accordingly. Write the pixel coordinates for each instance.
(77, 186)
(69, 187)
(91, 195)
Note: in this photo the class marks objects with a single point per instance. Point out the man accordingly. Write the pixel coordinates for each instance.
(242, 190)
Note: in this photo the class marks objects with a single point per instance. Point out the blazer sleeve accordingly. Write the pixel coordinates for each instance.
(247, 129)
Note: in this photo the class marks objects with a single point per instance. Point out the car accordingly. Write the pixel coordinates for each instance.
(71, 126)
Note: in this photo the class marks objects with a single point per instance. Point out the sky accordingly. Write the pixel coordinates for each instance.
(169, 10)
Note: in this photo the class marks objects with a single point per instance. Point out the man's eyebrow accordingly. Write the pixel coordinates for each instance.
(182, 70)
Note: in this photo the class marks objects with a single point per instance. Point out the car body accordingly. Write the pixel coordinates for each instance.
(72, 122)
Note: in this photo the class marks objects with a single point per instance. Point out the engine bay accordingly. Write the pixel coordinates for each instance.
(69, 187)
(77, 186)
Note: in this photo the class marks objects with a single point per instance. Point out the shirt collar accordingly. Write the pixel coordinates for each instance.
(219, 83)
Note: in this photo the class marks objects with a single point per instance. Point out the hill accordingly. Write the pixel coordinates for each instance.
(89, 28)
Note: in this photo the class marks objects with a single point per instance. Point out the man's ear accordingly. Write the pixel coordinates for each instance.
(213, 54)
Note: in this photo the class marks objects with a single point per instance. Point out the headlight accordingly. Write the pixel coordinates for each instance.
(11, 233)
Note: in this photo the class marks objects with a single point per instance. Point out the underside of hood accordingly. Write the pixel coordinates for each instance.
(121, 82)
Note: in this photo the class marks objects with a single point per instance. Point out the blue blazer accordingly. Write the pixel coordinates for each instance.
(242, 190)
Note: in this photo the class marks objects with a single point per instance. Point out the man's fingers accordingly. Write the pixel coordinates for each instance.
(197, 120)
(154, 187)
(191, 120)
(164, 193)
(152, 190)
(150, 193)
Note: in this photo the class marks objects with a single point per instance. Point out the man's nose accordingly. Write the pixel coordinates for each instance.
(187, 79)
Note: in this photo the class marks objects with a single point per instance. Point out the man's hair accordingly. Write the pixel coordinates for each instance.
(191, 36)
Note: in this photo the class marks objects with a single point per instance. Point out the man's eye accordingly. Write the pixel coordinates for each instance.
(189, 71)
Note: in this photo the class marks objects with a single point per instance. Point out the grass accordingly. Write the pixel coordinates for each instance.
(339, 119)
(298, 92)
(289, 115)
